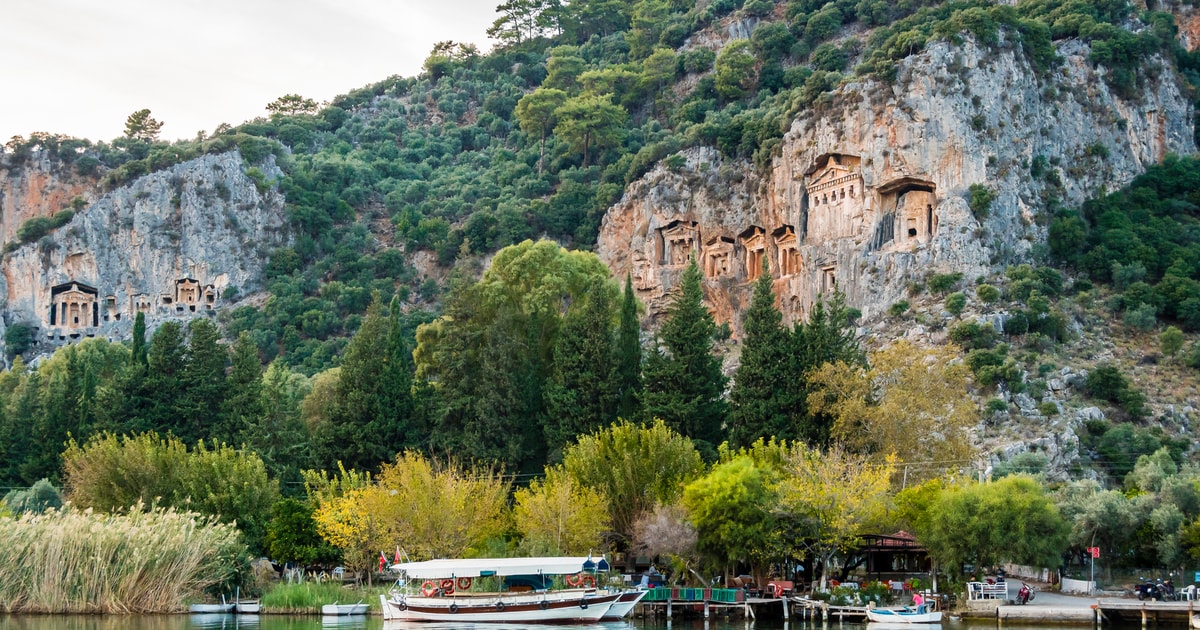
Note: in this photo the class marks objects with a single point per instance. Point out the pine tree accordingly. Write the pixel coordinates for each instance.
(758, 403)
(582, 393)
(683, 385)
(629, 355)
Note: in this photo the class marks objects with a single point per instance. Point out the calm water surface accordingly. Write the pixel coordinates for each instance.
(276, 622)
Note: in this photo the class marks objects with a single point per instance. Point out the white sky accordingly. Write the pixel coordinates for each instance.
(80, 67)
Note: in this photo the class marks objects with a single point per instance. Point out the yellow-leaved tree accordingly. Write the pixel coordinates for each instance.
(911, 402)
(834, 496)
(346, 515)
(437, 509)
(560, 516)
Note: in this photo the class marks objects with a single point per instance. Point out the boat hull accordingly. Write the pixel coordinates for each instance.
(209, 609)
(554, 607)
(343, 610)
(903, 617)
(247, 608)
(624, 605)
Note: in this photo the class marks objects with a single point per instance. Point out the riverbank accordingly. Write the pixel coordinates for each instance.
(308, 597)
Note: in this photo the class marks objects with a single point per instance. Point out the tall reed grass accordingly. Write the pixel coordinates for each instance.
(310, 596)
(77, 561)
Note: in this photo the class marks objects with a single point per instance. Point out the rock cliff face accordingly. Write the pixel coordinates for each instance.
(38, 188)
(870, 192)
(170, 244)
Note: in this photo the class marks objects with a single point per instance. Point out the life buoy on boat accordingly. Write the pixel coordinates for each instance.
(428, 588)
(587, 581)
(464, 583)
(448, 586)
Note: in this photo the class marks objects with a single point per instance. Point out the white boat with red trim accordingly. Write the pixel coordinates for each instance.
(441, 590)
(624, 605)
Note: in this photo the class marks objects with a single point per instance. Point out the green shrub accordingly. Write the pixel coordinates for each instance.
(973, 335)
(996, 406)
(943, 283)
(18, 338)
(955, 302)
(1048, 409)
(1017, 323)
(987, 293)
(38, 498)
(1192, 359)
(1105, 382)
(1143, 317)
(898, 309)
(1170, 342)
(980, 198)
(34, 228)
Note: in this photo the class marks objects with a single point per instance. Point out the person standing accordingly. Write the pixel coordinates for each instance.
(919, 602)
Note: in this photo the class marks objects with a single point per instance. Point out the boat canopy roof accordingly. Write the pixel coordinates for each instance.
(481, 567)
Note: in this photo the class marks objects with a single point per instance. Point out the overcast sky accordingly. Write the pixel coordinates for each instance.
(80, 67)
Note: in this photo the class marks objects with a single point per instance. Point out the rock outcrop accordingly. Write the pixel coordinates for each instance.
(39, 187)
(870, 192)
(174, 243)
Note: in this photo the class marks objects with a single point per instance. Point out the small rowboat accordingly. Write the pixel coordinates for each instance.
(344, 610)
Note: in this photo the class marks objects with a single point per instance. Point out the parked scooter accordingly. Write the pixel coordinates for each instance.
(1166, 590)
(1025, 595)
(1148, 590)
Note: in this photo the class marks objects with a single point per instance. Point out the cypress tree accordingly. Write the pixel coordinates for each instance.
(758, 403)
(203, 383)
(395, 425)
(138, 357)
(629, 355)
(828, 336)
(159, 390)
(582, 393)
(684, 383)
(242, 406)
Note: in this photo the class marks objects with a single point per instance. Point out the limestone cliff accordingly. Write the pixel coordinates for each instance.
(39, 187)
(169, 244)
(869, 192)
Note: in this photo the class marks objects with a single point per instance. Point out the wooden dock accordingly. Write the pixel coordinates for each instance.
(1148, 613)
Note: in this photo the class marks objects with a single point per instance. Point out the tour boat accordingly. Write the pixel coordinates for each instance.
(884, 615)
(436, 590)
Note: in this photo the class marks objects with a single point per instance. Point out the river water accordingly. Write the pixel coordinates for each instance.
(284, 622)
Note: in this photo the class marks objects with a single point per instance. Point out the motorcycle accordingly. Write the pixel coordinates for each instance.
(1148, 590)
(1025, 595)
(1166, 589)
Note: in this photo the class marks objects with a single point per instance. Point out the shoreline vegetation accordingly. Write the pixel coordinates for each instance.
(144, 561)
(140, 561)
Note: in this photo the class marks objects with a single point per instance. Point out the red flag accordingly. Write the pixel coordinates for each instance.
(382, 560)
(397, 555)
(1094, 551)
